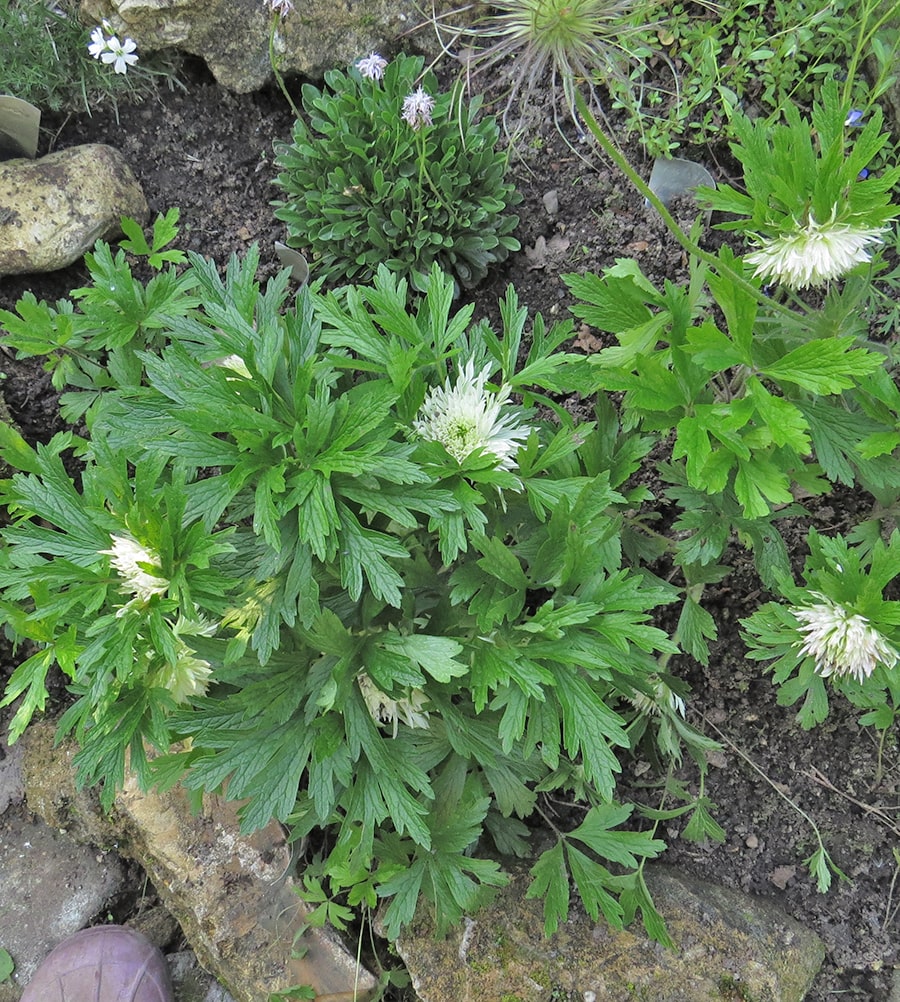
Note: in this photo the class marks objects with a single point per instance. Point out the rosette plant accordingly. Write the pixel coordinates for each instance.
(390, 171)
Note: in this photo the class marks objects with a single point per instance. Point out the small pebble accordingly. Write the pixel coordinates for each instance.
(751, 841)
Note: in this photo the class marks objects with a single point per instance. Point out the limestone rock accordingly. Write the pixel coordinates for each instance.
(230, 893)
(52, 210)
(232, 36)
(51, 888)
(729, 945)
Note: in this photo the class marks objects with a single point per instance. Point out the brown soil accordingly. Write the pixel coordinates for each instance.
(210, 153)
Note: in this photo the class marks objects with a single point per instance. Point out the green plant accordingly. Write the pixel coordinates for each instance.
(818, 216)
(46, 61)
(389, 171)
(783, 399)
(701, 62)
(7, 965)
(317, 538)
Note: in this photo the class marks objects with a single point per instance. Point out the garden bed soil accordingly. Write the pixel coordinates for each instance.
(209, 152)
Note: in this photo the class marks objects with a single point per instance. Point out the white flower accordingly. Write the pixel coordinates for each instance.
(282, 7)
(467, 417)
(840, 642)
(189, 675)
(417, 109)
(121, 54)
(130, 561)
(98, 42)
(385, 710)
(372, 66)
(815, 253)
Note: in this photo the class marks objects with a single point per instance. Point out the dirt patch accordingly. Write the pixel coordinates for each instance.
(209, 152)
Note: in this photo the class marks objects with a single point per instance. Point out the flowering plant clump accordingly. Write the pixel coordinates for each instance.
(810, 207)
(390, 171)
(333, 555)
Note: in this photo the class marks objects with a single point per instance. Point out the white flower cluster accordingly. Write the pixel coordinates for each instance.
(466, 417)
(385, 710)
(814, 254)
(107, 48)
(840, 642)
(663, 698)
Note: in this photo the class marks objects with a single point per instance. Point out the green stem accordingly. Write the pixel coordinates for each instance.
(420, 143)
(273, 61)
(709, 259)
(864, 39)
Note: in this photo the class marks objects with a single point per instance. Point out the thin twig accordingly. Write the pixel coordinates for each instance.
(817, 777)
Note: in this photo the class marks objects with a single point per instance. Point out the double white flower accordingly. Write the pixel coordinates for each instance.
(135, 566)
(465, 417)
(840, 642)
(815, 253)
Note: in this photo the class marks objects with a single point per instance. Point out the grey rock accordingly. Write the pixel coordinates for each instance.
(232, 36)
(192, 983)
(12, 777)
(52, 210)
(230, 893)
(50, 887)
(727, 942)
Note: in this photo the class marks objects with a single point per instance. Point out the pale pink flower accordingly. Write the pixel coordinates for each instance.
(417, 109)
(372, 66)
(282, 7)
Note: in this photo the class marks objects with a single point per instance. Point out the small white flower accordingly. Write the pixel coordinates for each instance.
(815, 253)
(842, 643)
(385, 710)
(120, 54)
(130, 561)
(282, 7)
(372, 66)
(466, 417)
(98, 43)
(417, 109)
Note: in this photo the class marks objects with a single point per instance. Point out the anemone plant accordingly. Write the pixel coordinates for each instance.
(565, 44)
